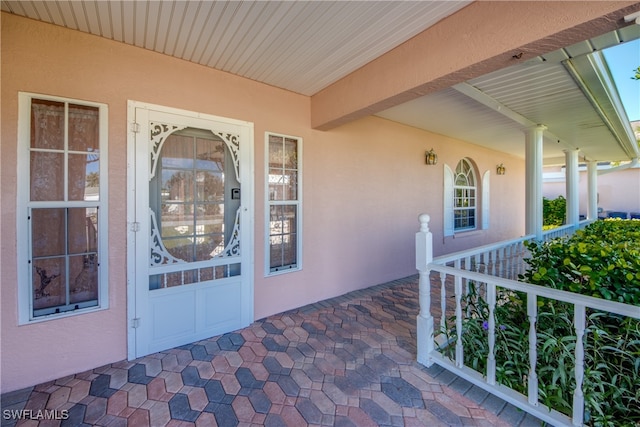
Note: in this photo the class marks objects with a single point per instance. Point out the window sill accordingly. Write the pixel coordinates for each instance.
(57, 316)
(466, 233)
(281, 272)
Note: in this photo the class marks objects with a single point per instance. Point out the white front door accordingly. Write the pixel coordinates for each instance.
(190, 227)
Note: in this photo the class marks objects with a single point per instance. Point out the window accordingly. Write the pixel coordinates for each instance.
(464, 197)
(283, 203)
(61, 206)
(464, 206)
(194, 195)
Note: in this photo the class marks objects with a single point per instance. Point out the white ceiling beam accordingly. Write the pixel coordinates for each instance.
(634, 17)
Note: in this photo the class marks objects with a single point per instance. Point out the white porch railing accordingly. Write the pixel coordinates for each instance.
(504, 259)
(492, 267)
(565, 230)
(554, 233)
(582, 224)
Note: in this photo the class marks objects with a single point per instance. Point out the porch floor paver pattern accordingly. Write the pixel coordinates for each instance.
(348, 361)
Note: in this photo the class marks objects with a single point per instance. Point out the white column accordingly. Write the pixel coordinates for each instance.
(424, 257)
(592, 183)
(533, 180)
(572, 187)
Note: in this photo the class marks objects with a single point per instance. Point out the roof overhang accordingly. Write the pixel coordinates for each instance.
(592, 75)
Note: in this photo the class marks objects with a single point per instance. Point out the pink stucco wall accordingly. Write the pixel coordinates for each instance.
(364, 185)
(617, 191)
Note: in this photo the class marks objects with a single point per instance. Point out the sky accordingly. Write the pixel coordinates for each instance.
(623, 61)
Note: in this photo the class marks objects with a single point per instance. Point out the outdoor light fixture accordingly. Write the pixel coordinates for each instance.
(500, 169)
(431, 157)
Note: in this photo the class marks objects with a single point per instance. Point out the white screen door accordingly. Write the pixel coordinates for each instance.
(191, 227)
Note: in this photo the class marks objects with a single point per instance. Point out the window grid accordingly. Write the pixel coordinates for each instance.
(464, 201)
(283, 199)
(192, 196)
(60, 164)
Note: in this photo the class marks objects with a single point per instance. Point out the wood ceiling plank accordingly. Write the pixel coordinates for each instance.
(188, 25)
(115, 10)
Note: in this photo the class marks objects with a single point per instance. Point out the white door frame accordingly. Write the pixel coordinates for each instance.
(247, 206)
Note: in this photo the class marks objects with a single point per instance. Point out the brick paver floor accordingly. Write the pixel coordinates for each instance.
(348, 361)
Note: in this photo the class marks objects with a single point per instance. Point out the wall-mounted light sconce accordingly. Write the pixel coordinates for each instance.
(500, 169)
(431, 157)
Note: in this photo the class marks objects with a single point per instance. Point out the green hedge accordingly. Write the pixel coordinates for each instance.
(602, 261)
(554, 211)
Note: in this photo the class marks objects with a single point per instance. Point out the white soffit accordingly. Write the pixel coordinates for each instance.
(301, 46)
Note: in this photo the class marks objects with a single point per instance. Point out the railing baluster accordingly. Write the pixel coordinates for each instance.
(487, 262)
(465, 282)
(459, 349)
(484, 263)
(514, 259)
(491, 359)
(532, 313)
(508, 259)
(443, 301)
(517, 258)
(494, 261)
(521, 259)
(578, 398)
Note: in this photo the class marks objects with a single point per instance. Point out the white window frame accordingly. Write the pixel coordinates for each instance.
(466, 188)
(24, 206)
(485, 201)
(482, 197)
(268, 203)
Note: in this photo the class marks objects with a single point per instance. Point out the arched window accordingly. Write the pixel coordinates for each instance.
(466, 199)
(465, 193)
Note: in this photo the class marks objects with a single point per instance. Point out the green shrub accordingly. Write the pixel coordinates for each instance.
(554, 211)
(601, 261)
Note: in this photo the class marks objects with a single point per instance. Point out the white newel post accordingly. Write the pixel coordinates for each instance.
(424, 256)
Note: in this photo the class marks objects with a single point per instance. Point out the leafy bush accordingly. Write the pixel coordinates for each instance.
(602, 261)
(554, 211)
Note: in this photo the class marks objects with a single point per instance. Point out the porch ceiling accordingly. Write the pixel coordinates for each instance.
(301, 46)
(306, 46)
